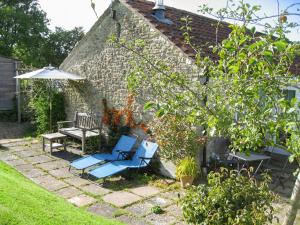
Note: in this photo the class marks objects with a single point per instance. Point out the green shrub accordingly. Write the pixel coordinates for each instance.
(39, 103)
(92, 144)
(230, 199)
(176, 137)
(157, 209)
(187, 167)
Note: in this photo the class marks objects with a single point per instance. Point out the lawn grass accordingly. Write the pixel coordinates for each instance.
(23, 202)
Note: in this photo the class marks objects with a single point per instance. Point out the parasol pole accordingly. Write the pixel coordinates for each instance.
(50, 107)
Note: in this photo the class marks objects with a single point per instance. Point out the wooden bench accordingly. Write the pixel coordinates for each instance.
(83, 126)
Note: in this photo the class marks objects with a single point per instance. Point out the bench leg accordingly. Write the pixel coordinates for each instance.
(65, 145)
(43, 144)
(83, 141)
(50, 147)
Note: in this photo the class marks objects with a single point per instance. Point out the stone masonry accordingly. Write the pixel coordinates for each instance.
(106, 66)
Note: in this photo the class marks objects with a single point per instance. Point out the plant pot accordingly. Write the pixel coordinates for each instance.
(186, 181)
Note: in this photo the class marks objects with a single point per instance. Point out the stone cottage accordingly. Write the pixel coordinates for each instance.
(106, 66)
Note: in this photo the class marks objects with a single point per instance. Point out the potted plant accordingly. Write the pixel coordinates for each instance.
(186, 171)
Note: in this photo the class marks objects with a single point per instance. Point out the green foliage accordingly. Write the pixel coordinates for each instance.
(58, 45)
(176, 137)
(229, 198)
(157, 209)
(25, 34)
(92, 144)
(40, 104)
(187, 167)
(22, 28)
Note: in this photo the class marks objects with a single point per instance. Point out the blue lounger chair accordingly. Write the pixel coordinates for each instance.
(141, 158)
(119, 152)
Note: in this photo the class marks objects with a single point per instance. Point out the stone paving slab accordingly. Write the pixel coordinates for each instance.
(161, 201)
(11, 141)
(17, 162)
(61, 173)
(24, 168)
(8, 157)
(141, 208)
(121, 198)
(68, 192)
(28, 153)
(48, 166)
(161, 219)
(95, 189)
(102, 209)
(145, 191)
(77, 181)
(43, 179)
(131, 220)
(34, 173)
(39, 159)
(175, 210)
(172, 195)
(82, 200)
(53, 185)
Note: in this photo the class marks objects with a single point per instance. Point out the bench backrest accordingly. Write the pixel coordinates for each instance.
(87, 121)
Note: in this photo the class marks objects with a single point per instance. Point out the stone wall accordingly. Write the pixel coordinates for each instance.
(105, 66)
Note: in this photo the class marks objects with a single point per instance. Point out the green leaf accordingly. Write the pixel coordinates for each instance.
(268, 53)
(160, 112)
(148, 105)
(280, 45)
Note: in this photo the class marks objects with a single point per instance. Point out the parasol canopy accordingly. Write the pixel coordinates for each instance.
(49, 73)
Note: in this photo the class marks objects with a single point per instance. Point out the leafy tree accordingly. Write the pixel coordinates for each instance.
(58, 44)
(239, 95)
(22, 29)
(24, 34)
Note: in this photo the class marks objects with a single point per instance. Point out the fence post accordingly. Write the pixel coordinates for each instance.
(18, 93)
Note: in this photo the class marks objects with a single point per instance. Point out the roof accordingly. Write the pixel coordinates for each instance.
(203, 29)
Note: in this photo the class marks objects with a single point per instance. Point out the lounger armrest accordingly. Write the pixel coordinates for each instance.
(146, 157)
(124, 154)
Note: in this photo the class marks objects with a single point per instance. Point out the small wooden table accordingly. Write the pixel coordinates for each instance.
(54, 139)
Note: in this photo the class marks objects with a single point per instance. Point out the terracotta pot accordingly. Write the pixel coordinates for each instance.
(186, 181)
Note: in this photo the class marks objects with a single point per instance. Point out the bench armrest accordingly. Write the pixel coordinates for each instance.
(61, 123)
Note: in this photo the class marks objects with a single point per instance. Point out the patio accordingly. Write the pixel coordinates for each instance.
(129, 201)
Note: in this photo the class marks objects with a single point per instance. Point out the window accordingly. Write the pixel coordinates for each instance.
(289, 94)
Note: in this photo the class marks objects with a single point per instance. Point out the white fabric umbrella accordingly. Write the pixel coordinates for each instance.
(50, 73)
